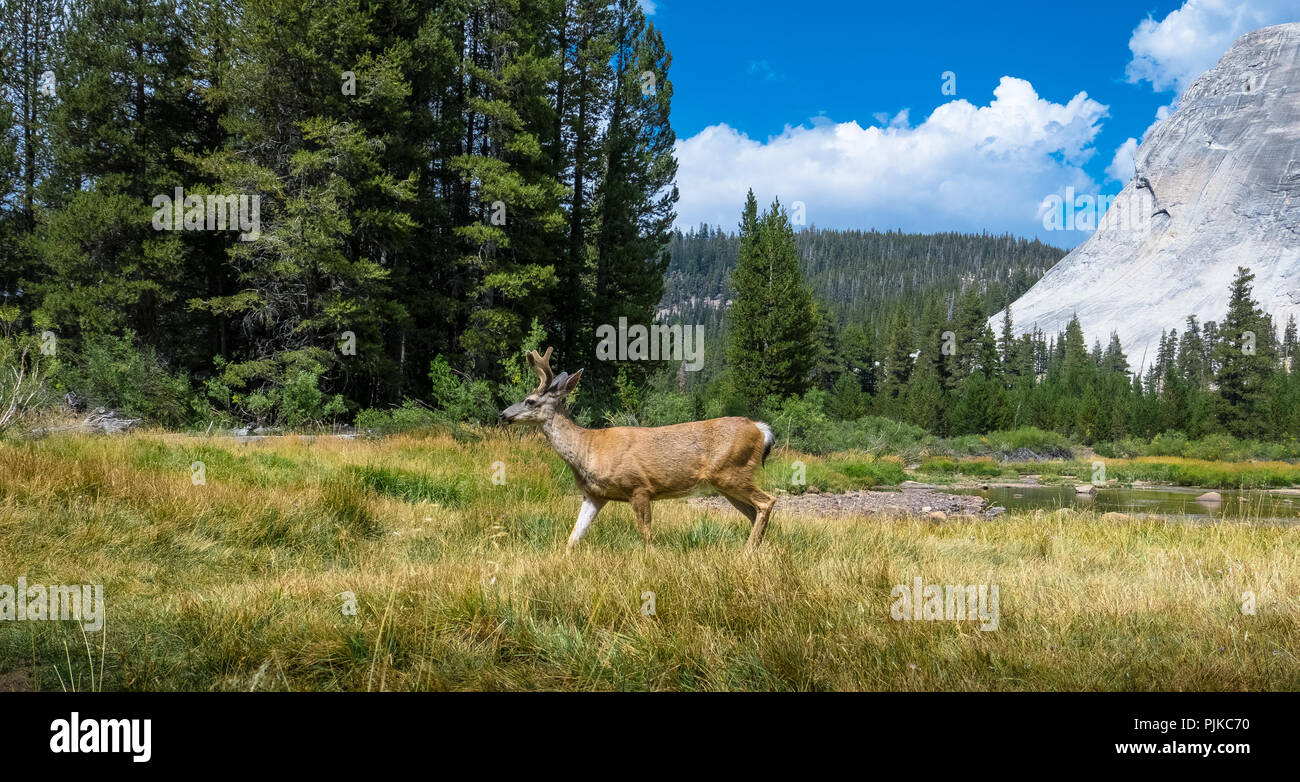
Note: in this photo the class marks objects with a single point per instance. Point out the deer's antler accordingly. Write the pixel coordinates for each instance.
(542, 366)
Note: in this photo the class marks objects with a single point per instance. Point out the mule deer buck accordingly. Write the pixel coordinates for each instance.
(638, 465)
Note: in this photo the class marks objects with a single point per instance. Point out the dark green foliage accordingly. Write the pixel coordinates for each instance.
(771, 334)
(120, 374)
(1246, 357)
(434, 179)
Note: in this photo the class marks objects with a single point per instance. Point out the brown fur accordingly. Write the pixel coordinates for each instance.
(641, 464)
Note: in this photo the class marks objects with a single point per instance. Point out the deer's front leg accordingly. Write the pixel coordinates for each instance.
(590, 507)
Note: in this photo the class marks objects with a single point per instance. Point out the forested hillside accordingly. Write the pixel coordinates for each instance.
(861, 276)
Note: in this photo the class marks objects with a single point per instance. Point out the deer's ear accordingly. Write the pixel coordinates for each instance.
(571, 382)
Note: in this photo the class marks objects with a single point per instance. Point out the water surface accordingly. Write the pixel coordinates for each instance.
(1249, 505)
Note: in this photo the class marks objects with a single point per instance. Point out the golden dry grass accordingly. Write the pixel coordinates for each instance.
(463, 584)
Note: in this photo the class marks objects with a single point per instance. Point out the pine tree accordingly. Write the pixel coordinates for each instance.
(926, 402)
(771, 347)
(1007, 344)
(1191, 355)
(125, 105)
(1289, 343)
(897, 363)
(1244, 370)
(858, 354)
(1113, 359)
(636, 195)
(332, 210)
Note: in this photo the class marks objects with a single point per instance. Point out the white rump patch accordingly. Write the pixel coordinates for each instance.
(768, 437)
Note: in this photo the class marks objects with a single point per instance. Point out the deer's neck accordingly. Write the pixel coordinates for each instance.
(567, 439)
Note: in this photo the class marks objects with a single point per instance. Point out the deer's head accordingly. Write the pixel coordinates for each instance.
(542, 404)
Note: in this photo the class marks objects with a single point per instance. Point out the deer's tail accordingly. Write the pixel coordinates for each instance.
(769, 439)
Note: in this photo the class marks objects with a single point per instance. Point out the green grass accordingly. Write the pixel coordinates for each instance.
(462, 584)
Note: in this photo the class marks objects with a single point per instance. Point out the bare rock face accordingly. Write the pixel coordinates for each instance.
(1217, 186)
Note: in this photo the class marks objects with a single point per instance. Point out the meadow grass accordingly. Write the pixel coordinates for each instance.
(462, 584)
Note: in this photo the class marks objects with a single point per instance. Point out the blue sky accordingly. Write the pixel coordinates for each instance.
(840, 105)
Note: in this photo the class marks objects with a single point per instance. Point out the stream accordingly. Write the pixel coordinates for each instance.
(1247, 505)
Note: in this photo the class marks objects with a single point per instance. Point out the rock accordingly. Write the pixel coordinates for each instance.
(814, 490)
(1028, 455)
(1018, 496)
(936, 515)
(926, 509)
(1210, 496)
(1216, 187)
(1084, 488)
(1113, 516)
(1063, 513)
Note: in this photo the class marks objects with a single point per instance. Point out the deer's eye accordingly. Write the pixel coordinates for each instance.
(530, 401)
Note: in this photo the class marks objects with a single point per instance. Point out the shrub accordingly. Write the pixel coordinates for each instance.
(938, 464)
(120, 374)
(410, 417)
(662, 408)
(800, 421)
(24, 388)
(462, 399)
(1004, 442)
(1167, 444)
(289, 393)
(981, 467)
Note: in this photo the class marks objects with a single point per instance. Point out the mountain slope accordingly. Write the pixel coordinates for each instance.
(1217, 186)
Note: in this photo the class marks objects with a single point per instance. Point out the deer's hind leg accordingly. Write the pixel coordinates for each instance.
(744, 507)
(750, 500)
(763, 503)
(641, 507)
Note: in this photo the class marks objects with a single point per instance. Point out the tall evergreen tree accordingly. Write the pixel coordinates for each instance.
(1243, 362)
(771, 346)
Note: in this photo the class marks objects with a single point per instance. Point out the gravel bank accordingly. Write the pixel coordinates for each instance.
(911, 501)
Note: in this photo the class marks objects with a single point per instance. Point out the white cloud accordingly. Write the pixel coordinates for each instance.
(965, 167)
(1121, 166)
(1171, 53)
(648, 7)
